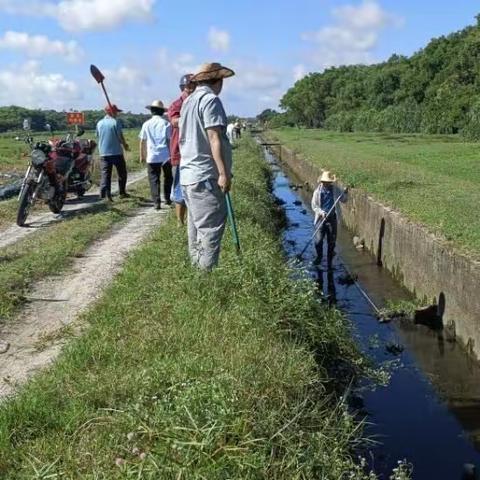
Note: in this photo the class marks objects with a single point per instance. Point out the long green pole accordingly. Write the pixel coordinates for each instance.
(233, 224)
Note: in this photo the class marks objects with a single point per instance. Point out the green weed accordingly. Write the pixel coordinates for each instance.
(42, 254)
(184, 374)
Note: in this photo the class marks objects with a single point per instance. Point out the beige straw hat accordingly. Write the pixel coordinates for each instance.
(212, 71)
(156, 104)
(327, 177)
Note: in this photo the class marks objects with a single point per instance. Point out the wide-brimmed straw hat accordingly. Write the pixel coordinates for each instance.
(158, 104)
(327, 177)
(212, 71)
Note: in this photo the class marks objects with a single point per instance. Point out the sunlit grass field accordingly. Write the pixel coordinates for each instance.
(433, 180)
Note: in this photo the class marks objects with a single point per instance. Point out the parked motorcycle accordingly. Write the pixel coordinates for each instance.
(55, 168)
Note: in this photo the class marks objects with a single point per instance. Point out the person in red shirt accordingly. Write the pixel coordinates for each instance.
(187, 88)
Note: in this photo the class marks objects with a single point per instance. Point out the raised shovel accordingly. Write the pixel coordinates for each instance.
(99, 77)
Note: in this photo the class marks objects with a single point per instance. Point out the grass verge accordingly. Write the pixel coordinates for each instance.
(42, 254)
(186, 375)
(433, 180)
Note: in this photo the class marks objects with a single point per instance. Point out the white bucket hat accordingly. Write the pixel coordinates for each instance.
(156, 104)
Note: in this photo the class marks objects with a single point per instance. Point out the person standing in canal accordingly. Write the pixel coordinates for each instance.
(323, 200)
(155, 150)
(206, 164)
(187, 87)
(110, 143)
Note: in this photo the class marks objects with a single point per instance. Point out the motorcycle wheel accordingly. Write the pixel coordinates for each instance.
(25, 203)
(56, 203)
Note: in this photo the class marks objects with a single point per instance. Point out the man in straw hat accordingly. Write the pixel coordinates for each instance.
(322, 203)
(155, 150)
(187, 87)
(110, 143)
(206, 163)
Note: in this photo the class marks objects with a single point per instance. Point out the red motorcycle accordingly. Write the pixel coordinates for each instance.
(56, 167)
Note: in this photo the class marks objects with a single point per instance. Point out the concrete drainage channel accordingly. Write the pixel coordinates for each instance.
(425, 264)
(428, 414)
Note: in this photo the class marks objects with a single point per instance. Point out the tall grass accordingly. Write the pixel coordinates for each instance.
(187, 375)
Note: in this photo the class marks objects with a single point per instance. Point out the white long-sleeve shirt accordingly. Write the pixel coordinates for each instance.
(317, 206)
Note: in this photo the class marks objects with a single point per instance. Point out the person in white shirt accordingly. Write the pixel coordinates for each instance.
(230, 132)
(323, 205)
(155, 150)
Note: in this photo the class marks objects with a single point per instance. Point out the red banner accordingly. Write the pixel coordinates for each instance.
(75, 118)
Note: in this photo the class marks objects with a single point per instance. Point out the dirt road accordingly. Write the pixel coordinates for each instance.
(14, 233)
(37, 335)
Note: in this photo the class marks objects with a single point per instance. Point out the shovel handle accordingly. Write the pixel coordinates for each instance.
(233, 224)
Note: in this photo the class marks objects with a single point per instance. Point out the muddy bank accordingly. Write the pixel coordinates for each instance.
(423, 263)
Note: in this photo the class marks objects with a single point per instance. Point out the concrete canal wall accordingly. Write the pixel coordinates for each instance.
(425, 264)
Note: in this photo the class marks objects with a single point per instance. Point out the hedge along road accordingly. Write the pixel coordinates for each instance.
(182, 374)
(433, 180)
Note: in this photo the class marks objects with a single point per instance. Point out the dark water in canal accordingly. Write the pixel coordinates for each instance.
(429, 414)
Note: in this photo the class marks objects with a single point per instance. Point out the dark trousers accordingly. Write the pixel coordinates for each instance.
(106, 165)
(329, 230)
(154, 173)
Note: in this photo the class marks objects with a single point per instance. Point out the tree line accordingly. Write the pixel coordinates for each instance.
(436, 91)
(11, 119)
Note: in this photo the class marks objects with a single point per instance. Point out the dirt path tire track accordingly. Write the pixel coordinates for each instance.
(37, 335)
(14, 233)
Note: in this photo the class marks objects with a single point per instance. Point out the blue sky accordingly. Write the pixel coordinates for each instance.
(143, 46)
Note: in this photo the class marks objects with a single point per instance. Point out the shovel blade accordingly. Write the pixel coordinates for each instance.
(96, 74)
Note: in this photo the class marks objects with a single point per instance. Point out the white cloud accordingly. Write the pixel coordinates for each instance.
(40, 45)
(299, 71)
(255, 77)
(129, 76)
(81, 15)
(368, 15)
(28, 86)
(354, 35)
(129, 86)
(219, 40)
(254, 87)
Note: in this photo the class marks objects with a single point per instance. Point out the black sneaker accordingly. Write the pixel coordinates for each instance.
(124, 195)
(158, 206)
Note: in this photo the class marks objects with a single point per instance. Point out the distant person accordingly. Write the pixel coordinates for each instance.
(110, 143)
(154, 148)
(206, 165)
(323, 200)
(238, 129)
(187, 88)
(231, 132)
